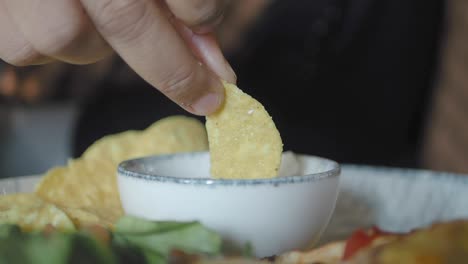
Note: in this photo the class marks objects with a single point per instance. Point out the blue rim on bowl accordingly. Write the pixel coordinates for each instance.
(139, 169)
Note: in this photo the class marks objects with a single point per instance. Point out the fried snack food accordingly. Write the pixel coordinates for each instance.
(243, 139)
(31, 213)
(86, 189)
(86, 185)
(174, 134)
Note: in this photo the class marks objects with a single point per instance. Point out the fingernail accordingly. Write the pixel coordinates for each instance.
(207, 104)
(232, 77)
(211, 54)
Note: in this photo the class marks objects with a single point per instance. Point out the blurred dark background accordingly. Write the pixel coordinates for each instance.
(356, 81)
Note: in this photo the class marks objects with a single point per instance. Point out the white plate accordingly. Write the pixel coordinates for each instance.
(22, 184)
(394, 199)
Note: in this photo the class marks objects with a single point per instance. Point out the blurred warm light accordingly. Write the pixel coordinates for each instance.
(8, 82)
(31, 89)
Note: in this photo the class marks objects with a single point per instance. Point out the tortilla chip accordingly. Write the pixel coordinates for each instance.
(87, 188)
(175, 134)
(89, 184)
(169, 135)
(83, 217)
(243, 139)
(116, 148)
(31, 213)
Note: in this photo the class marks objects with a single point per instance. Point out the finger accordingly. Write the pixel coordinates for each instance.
(208, 51)
(200, 15)
(58, 29)
(143, 36)
(14, 48)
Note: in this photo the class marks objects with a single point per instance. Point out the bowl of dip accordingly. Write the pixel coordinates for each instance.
(288, 212)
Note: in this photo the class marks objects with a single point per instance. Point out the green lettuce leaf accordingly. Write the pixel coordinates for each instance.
(133, 241)
(162, 237)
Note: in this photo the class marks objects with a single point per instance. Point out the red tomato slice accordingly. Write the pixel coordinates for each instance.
(361, 239)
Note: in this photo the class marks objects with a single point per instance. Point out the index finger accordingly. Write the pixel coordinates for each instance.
(140, 32)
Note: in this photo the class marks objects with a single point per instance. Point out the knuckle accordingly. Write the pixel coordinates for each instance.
(60, 35)
(204, 12)
(122, 18)
(177, 84)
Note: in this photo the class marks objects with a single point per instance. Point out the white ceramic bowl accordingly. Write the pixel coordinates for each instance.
(273, 215)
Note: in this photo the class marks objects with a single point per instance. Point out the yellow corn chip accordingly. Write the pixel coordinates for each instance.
(31, 213)
(87, 188)
(117, 147)
(243, 140)
(173, 135)
(83, 217)
(90, 184)
(169, 135)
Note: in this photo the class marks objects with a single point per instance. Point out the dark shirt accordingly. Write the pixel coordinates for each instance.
(347, 80)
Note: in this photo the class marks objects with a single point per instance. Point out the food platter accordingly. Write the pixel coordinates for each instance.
(393, 198)
(227, 189)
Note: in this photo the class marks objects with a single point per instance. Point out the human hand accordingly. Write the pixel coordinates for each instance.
(166, 42)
